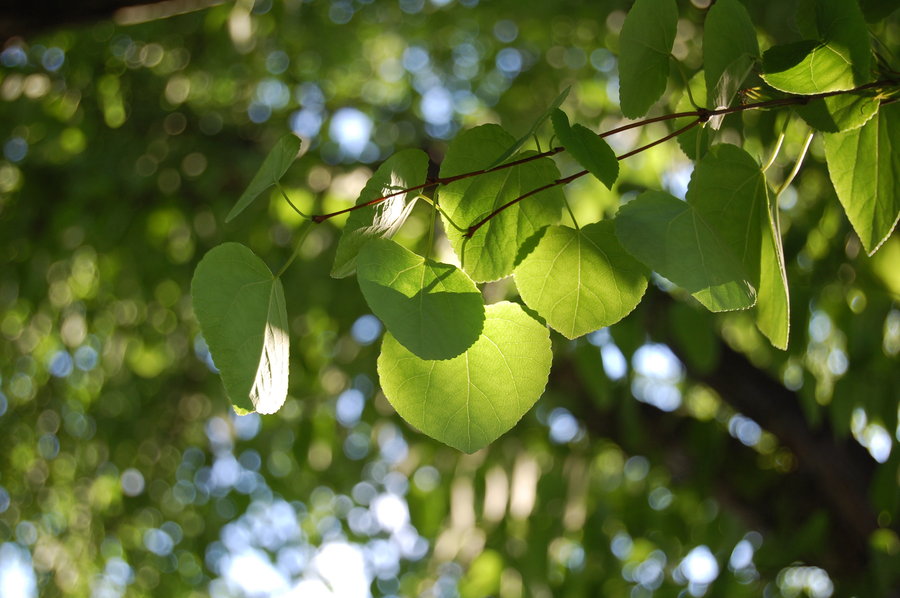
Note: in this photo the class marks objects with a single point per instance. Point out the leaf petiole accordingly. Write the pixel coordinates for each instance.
(290, 203)
(305, 228)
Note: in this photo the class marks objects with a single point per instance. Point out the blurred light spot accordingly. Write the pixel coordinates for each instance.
(650, 572)
(219, 433)
(259, 112)
(273, 93)
(427, 478)
(741, 556)
(699, 567)
(506, 31)
(343, 567)
(247, 426)
(819, 326)
(349, 407)
(306, 122)
(251, 572)
(17, 578)
(675, 180)
(563, 426)
(351, 129)
(53, 59)
(621, 546)
(412, 6)
(357, 446)
(437, 106)
(659, 498)
(415, 59)
(603, 60)
(13, 56)
(48, 446)
(86, 358)
(614, 364)
(4, 499)
(837, 362)
(15, 149)
(60, 364)
(340, 12)
(392, 444)
(4, 404)
(26, 533)
(636, 468)
(509, 61)
(744, 429)
(390, 511)
(132, 482)
(277, 62)
(812, 580)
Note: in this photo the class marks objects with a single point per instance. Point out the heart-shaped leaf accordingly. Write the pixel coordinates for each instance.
(645, 45)
(242, 314)
(432, 309)
(471, 400)
(587, 148)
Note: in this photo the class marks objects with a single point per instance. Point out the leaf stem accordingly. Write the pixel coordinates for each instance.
(797, 164)
(290, 203)
(687, 82)
(306, 227)
(571, 213)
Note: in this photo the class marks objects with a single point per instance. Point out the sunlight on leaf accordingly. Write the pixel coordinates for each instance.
(273, 168)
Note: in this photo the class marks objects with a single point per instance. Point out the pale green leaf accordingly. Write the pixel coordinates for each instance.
(729, 50)
(432, 309)
(864, 165)
(729, 191)
(838, 113)
(491, 253)
(669, 236)
(273, 168)
(405, 169)
(581, 280)
(592, 152)
(242, 315)
(471, 400)
(645, 44)
(534, 127)
(840, 59)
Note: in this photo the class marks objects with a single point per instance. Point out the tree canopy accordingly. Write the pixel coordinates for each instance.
(450, 298)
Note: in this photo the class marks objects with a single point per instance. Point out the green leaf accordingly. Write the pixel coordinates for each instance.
(534, 127)
(242, 315)
(730, 192)
(491, 253)
(471, 400)
(581, 280)
(273, 168)
(840, 59)
(592, 152)
(432, 309)
(729, 50)
(405, 169)
(864, 165)
(838, 113)
(672, 238)
(645, 44)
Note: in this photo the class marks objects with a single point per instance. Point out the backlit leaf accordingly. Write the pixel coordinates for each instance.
(242, 314)
(471, 400)
(645, 44)
(838, 113)
(491, 253)
(729, 50)
(273, 168)
(864, 165)
(671, 237)
(405, 169)
(592, 152)
(432, 309)
(581, 280)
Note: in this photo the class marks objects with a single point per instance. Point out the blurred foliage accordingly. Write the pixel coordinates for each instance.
(122, 468)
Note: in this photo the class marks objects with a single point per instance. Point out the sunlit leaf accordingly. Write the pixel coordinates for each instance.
(839, 59)
(242, 314)
(580, 280)
(491, 253)
(405, 169)
(838, 113)
(432, 309)
(669, 236)
(273, 168)
(864, 165)
(592, 152)
(645, 45)
(471, 400)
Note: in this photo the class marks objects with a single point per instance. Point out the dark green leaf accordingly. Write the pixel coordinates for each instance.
(865, 169)
(672, 238)
(242, 314)
(534, 127)
(471, 400)
(581, 280)
(645, 44)
(491, 253)
(592, 152)
(273, 168)
(407, 168)
(432, 309)
(729, 50)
